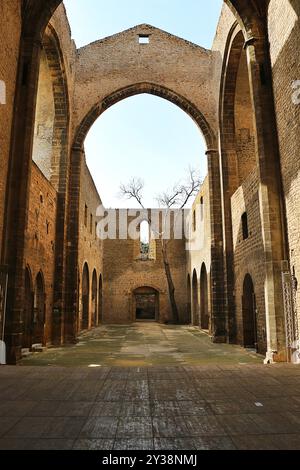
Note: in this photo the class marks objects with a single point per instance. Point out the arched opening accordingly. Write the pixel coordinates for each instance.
(28, 320)
(145, 239)
(94, 299)
(204, 299)
(249, 314)
(238, 162)
(50, 144)
(116, 114)
(188, 301)
(100, 301)
(39, 310)
(195, 296)
(85, 298)
(146, 304)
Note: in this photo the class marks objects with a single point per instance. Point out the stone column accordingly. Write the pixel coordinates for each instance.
(70, 320)
(218, 312)
(18, 187)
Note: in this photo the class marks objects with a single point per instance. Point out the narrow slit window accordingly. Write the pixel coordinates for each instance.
(194, 221)
(245, 226)
(144, 39)
(85, 215)
(202, 208)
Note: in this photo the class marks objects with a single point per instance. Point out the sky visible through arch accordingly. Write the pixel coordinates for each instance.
(143, 136)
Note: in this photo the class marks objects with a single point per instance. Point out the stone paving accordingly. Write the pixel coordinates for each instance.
(144, 344)
(164, 407)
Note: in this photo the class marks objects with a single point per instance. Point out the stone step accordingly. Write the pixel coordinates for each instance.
(26, 352)
(38, 348)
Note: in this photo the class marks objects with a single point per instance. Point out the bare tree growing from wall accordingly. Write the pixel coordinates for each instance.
(176, 198)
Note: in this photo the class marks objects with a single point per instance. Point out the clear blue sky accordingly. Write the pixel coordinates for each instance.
(143, 136)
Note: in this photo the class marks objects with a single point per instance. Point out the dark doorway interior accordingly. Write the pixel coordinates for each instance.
(249, 314)
(85, 297)
(28, 312)
(146, 304)
(204, 299)
(39, 311)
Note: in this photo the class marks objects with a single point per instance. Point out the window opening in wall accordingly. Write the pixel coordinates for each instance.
(144, 39)
(202, 208)
(145, 239)
(91, 223)
(245, 226)
(194, 221)
(85, 215)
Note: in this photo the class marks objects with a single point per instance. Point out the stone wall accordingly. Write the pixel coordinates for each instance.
(90, 246)
(10, 30)
(248, 255)
(40, 239)
(199, 254)
(125, 271)
(284, 35)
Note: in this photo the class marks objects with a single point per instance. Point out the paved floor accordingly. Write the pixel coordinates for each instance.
(163, 407)
(144, 344)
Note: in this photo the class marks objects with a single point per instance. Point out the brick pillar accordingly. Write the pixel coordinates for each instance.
(17, 199)
(72, 274)
(270, 193)
(218, 312)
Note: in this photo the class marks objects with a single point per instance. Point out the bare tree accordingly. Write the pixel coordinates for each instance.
(176, 198)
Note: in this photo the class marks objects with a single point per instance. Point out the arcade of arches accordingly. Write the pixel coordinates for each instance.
(236, 277)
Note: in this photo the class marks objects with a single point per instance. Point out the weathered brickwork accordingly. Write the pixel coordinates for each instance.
(284, 33)
(125, 271)
(40, 239)
(10, 29)
(118, 62)
(90, 247)
(199, 254)
(248, 255)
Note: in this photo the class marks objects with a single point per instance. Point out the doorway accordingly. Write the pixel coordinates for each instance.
(28, 312)
(249, 314)
(146, 304)
(39, 310)
(204, 299)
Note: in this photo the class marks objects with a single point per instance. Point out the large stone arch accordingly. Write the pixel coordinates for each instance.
(141, 88)
(77, 155)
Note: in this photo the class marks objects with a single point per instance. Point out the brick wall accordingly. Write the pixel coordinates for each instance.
(40, 238)
(200, 252)
(90, 247)
(10, 28)
(284, 34)
(248, 255)
(125, 272)
(119, 61)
